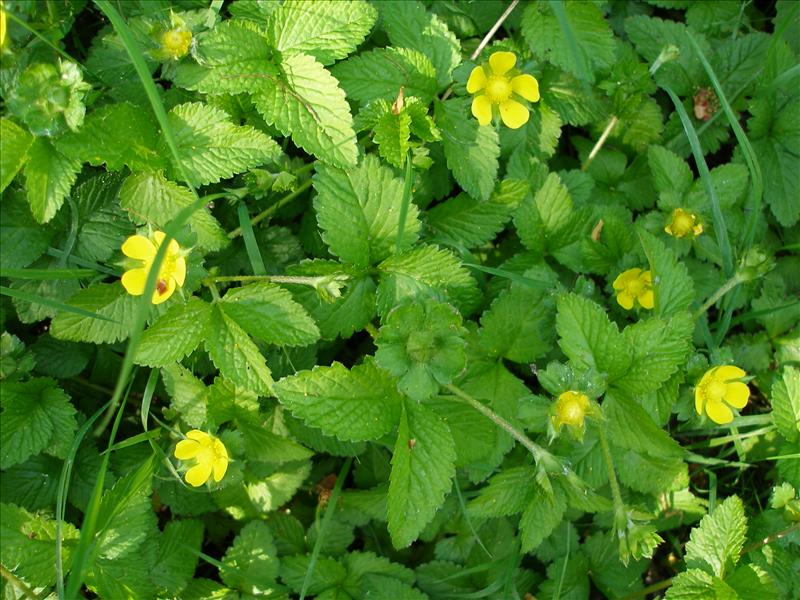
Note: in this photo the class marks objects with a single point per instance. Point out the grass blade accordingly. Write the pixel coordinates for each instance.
(250, 243)
(47, 274)
(407, 184)
(515, 277)
(37, 299)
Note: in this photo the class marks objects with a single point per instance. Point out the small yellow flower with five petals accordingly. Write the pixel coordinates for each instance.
(172, 273)
(208, 453)
(635, 286)
(718, 390)
(496, 85)
(175, 43)
(683, 223)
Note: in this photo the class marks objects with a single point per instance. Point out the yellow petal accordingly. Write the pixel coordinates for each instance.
(220, 466)
(502, 62)
(698, 400)
(526, 86)
(164, 294)
(698, 229)
(625, 300)
(647, 299)
(198, 474)
(477, 80)
(219, 449)
(514, 114)
(133, 281)
(719, 413)
(668, 229)
(139, 247)
(727, 373)
(200, 436)
(187, 449)
(180, 271)
(482, 109)
(737, 394)
(647, 277)
(621, 282)
(159, 236)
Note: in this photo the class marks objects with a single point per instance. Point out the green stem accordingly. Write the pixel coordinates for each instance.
(599, 145)
(660, 585)
(296, 279)
(270, 210)
(616, 495)
(724, 289)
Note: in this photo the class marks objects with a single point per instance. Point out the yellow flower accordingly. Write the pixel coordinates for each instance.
(571, 408)
(499, 84)
(2, 26)
(635, 286)
(683, 223)
(175, 43)
(718, 389)
(171, 274)
(209, 455)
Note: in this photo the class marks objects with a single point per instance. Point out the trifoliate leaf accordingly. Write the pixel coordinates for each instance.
(178, 555)
(358, 404)
(423, 465)
(211, 147)
(268, 313)
(328, 31)
(151, 198)
(716, 543)
(409, 25)
(674, 288)
(174, 335)
(505, 494)
(542, 514)
(305, 101)
(251, 563)
(235, 354)
(109, 300)
(380, 73)
(785, 400)
(590, 36)
(37, 415)
(358, 211)
(471, 150)
(49, 176)
(16, 142)
(589, 338)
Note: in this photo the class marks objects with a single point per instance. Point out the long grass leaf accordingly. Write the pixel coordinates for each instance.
(407, 185)
(37, 299)
(511, 276)
(47, 274)
(250, 243)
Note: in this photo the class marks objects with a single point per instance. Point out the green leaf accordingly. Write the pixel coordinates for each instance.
(305, 101)
(16, 142)
(151, 198)
(589, 338)
(751, 581)
(423, 465)
(327, 573)
(118, 135)
(49, 176)
(380, 73)
(235, 354)
(409, 25)
(548, 40)
(189, 395)
(354, 405)
(671, 174)
(629, 426)
(37, 416)
(674, 288)
(174, 335)
(716, 543)
(103, 225)
(465, 222)
(358, 211)
(178, 554)
(471, 150)
(251, 563)
(785, 400)
(507, 493)
(27, 545)
(19, 231)
(548, 212)
(268, 313)
(543, 513)
(475, 436)
(692, 584)
(392, 133)
(266, 446)
(328, 31)
(108, 300)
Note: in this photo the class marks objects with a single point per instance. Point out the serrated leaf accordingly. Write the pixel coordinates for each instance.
(507, 493)
(589, 338)
(174, 335)
(629, 426)
(475, 437)
(380, 73)
(423, 465)
(108, 300)
(409, 25)
(268, 313)
(785, 399)
(15, 144)
(674, 288)
(251, 563)
(545, 214)
(354, 405)
(548, 40)
(103, 225)
(235, 354)
(392, 133)
(178, 554)
(328, 31)
(671, 174)
(266, 446)
(189, 395)
(543, 513)
(358, 211)
(49, 176)
(327, 573)
(18, 230)
(692, 584)
(151, 198)
(471, 150)
(37, 415)
(716, 543)
(305, 101)
(650, 474)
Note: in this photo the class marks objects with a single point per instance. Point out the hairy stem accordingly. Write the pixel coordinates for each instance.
(724, 289)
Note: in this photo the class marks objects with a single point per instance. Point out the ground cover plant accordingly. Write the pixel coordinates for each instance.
(402, 300)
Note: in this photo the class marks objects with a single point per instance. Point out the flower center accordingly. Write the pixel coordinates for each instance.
(571, 408)
(683, 223)
(715, 391)
(635, 286)
(498, 89)
(176, 42)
